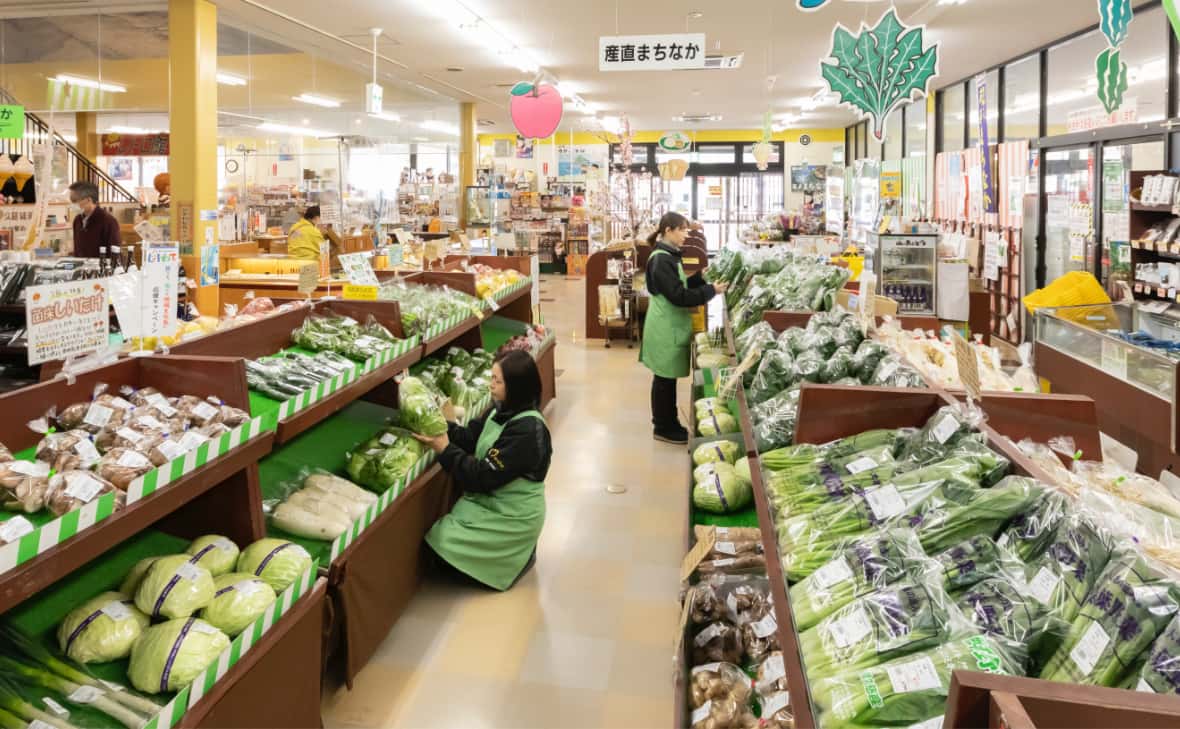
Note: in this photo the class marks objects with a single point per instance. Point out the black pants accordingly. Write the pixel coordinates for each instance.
(663, 405)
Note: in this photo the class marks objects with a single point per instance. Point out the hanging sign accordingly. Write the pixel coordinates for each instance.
(67, 319)
(1114, 20)
(12, 121)
(651, 52)
(536, 111)
(880, 69)
(988, 188)
(136, 145)
(675, 142)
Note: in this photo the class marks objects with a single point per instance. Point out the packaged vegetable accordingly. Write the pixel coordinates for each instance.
(278, 562)
(24, 485)
(1062, 577)
(718, 451)
(169, 656)
(419, 410)
(1030, 533)
(719, 424)
(950, 519)
(238, 600)
(136, 574)
(71, 490)
(722, 491)
(720, 698)
(1003, 608)
(215, 553)
(977, 559)
(101, 629)
(174, 587)
(1161, 669)
(121, 466)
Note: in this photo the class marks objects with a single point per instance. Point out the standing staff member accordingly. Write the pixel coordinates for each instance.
(304, 238)
(667, 331)
(94, 227)
(500, 464)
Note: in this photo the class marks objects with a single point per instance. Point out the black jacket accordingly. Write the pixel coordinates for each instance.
(523, 450)
(663, 278)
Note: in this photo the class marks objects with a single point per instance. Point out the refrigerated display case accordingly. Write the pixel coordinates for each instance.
(907, 270)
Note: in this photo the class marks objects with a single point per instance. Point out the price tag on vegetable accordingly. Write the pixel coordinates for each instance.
(968, 366)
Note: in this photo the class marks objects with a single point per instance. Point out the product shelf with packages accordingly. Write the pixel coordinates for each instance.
(146, 488)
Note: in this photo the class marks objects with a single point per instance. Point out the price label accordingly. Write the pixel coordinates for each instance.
(357, 292)
(968, 366)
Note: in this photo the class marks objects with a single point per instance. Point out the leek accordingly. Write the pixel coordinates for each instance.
(97, 698)
(14, 704)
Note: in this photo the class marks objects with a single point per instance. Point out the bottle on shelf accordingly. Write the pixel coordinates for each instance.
(102, 262)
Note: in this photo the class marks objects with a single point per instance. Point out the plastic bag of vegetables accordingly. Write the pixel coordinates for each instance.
(419, 410)
(174, 587)
(708, 406)
(722, 491)
(910, 689)
(945, 522)
(718, 451)
(892, 371)
(1002, 607)
(1062, 577)
(101, 629)
(1161, 671)
(775, 374)
(719, 424)
(1030, 533)
(977, 559)
(378, 467)
(277, 561)
(1131, 603)
(719, 696)
(759, 335)
(866, 359)
(940, 433)
(836, 367)
(240, 599)
(215, 553)
(169, 656)
(774, 421)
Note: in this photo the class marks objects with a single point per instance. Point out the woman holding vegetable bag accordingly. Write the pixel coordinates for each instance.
(500, 464)
(667, 330)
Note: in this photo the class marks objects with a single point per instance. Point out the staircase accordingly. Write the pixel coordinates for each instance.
(79, 168)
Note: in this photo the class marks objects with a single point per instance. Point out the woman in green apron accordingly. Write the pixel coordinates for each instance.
(499, 462)
(667, 330)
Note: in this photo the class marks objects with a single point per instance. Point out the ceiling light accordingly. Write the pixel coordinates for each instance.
(952, 2)
(297, 131)
(89, 83)
(696, 15)
(421, 139)
(440, 126)
(118, 129)
(230, 79)
(317, 101)
(387, 116)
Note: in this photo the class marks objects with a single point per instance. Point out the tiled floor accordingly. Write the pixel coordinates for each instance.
(586, 639)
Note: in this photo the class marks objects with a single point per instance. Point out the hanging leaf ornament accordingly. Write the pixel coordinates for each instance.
(809, 5)
(1112, 79)
(882, 67)
(1115, 18)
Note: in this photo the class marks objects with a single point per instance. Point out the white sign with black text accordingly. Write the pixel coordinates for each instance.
(651, 52)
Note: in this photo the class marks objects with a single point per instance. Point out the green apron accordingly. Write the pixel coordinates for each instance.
(667, 332)
(491, 536)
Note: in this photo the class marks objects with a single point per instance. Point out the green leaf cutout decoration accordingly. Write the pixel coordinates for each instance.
(1115, 17)
(879, 69)
(1112, 79)
(521, 89)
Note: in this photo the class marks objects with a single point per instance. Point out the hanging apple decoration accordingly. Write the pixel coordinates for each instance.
(536, 109)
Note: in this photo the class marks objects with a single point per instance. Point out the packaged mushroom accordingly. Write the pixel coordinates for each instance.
(719, 695)
(5, 454)
(103, 411)
(730, 534)
(759, 630)
(719, 641)
(66, 451)
(121, 466)
(735, 548)
(71, 490)
(23, 485)
(740, 563)
(712, 596)
(127, 436)
(213, 430)
(198, 412)
(747, 600)
(771, 677)
(776, 712)
(230, 416)
(139, 397)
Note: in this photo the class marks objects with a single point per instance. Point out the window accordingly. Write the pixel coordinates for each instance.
(1022, 99)
(775, 155)
(952, 118)
(715, 154)
(874, 151)
(992, 80)
(915, 129)
(893, 129)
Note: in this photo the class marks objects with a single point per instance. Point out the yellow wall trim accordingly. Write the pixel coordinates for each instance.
(704, 135)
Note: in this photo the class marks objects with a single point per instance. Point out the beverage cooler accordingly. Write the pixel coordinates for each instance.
(906, 268)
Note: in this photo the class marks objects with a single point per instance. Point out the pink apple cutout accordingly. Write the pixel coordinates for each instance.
(536, 110)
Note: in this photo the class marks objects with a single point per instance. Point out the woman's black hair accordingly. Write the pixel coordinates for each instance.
(312, 213)
(670, 221)
(522, 381)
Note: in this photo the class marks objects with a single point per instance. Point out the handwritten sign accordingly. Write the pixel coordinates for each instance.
(309, 278)
(358, 269)
(358, 292)
(67, 319)
(968, 366)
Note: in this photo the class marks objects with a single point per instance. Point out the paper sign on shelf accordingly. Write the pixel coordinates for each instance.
(309, 278)
(697, 554)
(358, 269)
(358, 292)
(158, 289)
(968, 366)
(66, 319)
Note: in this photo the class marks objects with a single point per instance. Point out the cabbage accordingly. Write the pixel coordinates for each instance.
(167, 657)
(378, 467)
(420, 411)
(239, 601)
(742, 468)
(717, 451)
(718, 424)
(712, 360)
(277, 561)
(214, 553)
(705, 470)
(135, 576)
(174, 587)
(101, 629)
(723, 492)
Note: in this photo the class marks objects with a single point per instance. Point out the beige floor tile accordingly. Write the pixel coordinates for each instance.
(568, 660)
(541, 706)
(580, 576)
(649, 622)
(448, 701)
(653, 580)
(621, 711)
(414, 642)
(491, 633)
(643, 670)
(376, 693)
(580, 613)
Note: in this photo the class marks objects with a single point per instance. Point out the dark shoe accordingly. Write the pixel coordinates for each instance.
(676, 437)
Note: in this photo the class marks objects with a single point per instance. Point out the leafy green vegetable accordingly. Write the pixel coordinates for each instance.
(171, 655)
(215, 553)
(240, 599)
(1062, 577)
(419, 409)
(277, 561)
(719, 424)
(774, 375)
(1030, 533)
(979, 558)
(722, 491)
(1161, 669)
(943, 523)
(1003, 608)
(101, 629)
(174, 587)
(716, 451)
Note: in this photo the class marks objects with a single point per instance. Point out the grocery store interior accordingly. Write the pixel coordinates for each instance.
(771, 364)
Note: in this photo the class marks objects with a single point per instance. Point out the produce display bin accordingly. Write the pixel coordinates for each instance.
(213, 489)
(272, 334)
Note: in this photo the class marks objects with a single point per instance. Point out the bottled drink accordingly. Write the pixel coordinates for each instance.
(102, 261)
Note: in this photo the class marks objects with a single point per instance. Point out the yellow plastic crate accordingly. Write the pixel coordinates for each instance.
(1076, 288)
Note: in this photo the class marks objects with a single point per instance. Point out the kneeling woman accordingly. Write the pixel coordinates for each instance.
(499, 463)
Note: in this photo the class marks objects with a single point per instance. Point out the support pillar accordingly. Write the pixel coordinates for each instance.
(86, 129)
(468, 156)
(192, 161)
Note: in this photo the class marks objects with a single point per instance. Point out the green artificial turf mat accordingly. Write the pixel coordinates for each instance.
(497, 330)
(746, 518)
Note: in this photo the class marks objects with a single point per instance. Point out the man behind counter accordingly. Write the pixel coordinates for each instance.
(94, 227)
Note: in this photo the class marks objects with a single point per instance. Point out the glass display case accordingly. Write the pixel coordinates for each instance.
(906, 268)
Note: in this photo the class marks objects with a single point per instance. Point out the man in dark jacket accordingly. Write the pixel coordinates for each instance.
(94, 227)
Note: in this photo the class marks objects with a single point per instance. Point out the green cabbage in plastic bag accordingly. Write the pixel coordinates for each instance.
(240, 599)
(169, 656)
(718, 424)
(174, 587)
(276, 561)
(378, 466)
(131, 582)
(742, 467)
(420, 411)
(215, 553)
(723, 492)
(101, 629)
(718, 451)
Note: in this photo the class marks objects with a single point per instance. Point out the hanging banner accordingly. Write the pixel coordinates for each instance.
(1114, 20)
(877, 71)
(675, 142)
(651, 52)
(12, 121)
(536, 111)
(67, 319)
(988, 182)
(136, 145)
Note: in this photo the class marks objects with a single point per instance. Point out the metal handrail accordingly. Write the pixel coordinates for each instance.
(81, 168)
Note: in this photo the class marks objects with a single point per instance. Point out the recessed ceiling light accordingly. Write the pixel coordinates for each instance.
(696, 92)
(89, 83)
(696, 15)
(317, 101)
(421, 139)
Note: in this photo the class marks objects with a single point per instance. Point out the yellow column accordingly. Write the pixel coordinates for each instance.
(468, 156)
(192, 162)
(86, 129)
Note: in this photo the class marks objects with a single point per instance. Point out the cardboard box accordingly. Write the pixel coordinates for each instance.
(882, 305)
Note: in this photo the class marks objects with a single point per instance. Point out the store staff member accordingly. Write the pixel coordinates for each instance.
(667, 331)
(500, 464)
(94, 227)
(304, 238)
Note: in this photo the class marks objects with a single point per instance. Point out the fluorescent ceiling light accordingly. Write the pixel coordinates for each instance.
(230, 79)
(421, 139)
(441, 126)
(89, 83)
(387, 116)
(317, 101)
(298, 131)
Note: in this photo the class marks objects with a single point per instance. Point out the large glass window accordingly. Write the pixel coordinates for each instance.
(915, 129)
(952, 118)
(1022, 99)
(992, 81)
(712, 154)
(893, 129)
